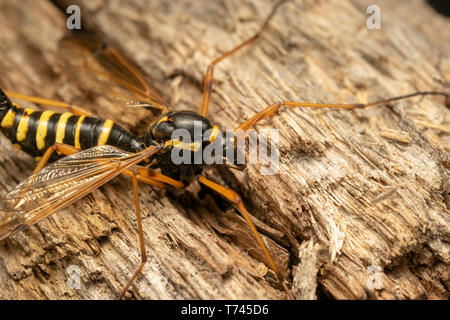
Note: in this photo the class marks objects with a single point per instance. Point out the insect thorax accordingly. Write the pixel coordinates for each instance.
(186, 131)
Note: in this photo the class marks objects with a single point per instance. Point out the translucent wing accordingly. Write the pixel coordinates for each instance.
(105, 70)
(61, 183)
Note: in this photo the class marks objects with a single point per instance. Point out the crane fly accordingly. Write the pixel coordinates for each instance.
(85, 152)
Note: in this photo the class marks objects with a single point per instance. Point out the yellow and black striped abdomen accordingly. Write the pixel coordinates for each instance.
(35, 131)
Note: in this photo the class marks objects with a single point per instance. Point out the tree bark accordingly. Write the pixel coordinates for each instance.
(370, 188)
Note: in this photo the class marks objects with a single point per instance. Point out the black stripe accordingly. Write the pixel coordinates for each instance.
(71, 128)
(52, 127)
(30, 139)
(115, 135)
(89, 132)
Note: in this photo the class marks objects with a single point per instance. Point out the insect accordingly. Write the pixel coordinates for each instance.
(97, 150)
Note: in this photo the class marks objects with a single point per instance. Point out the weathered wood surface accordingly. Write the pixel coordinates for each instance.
(370, 187)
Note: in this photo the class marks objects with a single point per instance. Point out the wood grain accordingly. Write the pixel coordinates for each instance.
(370, 187)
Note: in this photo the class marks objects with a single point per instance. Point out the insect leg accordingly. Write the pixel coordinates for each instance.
(272, 109)
(152, 177)
(147, 173)
(209, 74)
(58, 104)
(141, 235)
(146, 180)
(59, 147)
(237, 202)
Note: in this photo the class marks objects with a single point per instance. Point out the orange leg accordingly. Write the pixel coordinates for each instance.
(232, 196)
(59, 147)
(141, 235)
(209, 74)
(149, 176)
(58, 104)
(272, 109)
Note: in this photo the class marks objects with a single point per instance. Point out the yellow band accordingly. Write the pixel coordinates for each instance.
(41, 132)
(77, 132)
(61, 127)
(22, 128)
(104, 134)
